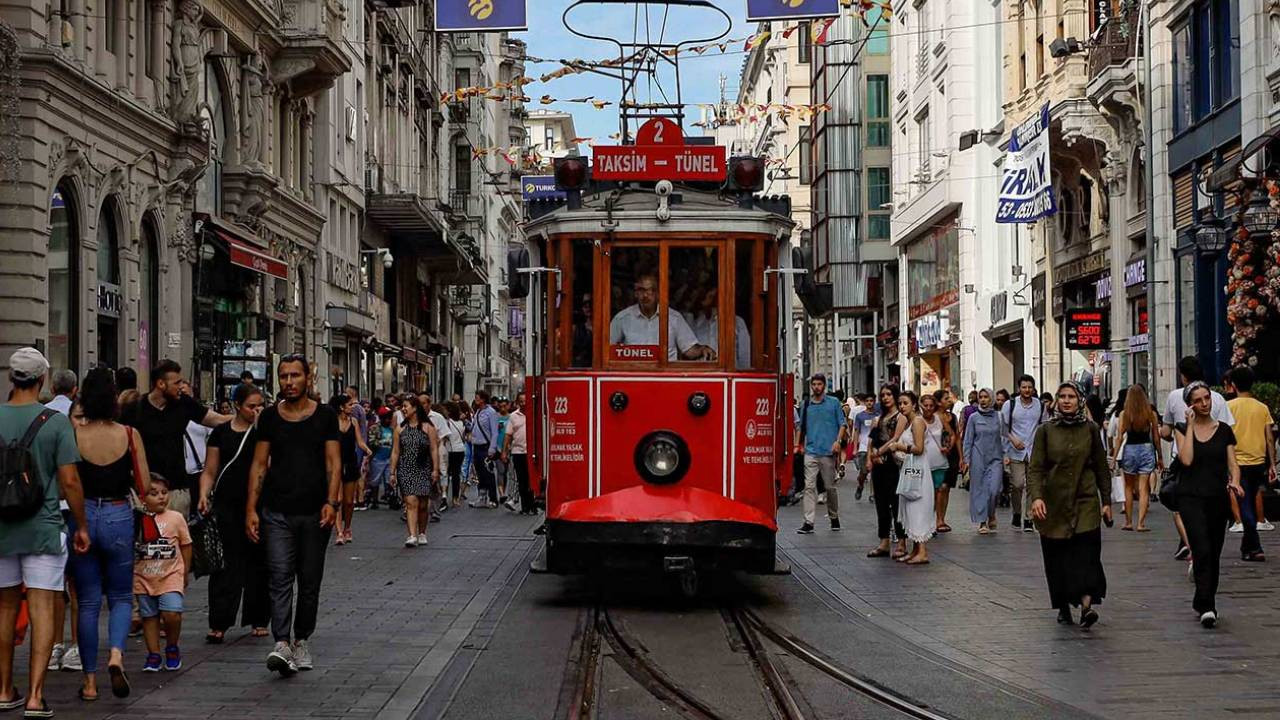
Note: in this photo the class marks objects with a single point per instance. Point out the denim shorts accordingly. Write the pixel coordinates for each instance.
(1138, 459)
(153, 605)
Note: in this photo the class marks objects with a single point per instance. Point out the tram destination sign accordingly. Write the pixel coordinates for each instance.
(659, 154)
(1087, 328)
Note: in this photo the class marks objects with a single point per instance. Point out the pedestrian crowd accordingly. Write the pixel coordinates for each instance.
(111, 494)
(1059, 462)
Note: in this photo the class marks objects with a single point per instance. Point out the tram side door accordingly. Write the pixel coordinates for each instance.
(783, 422)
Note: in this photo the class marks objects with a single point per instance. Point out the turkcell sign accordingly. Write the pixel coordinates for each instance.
(761, 10)
(1026, 192)
(540, 187)
(659, 162)
(480, 15)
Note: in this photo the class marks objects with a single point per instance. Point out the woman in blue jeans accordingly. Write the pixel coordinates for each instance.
(112, 461)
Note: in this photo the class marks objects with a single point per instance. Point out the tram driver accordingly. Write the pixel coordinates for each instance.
(638, 325)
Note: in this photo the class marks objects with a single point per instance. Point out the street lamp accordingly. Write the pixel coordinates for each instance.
(1211, 236)
(1260, 217)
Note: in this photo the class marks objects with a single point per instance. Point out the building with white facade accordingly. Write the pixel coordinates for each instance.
(963, 281)
(551, 134)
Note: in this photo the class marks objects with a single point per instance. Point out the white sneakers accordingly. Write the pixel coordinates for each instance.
(1235, 528)
(302, 655)
(65, 657)
(411, 541)
(1264, 525)
(281, 660)
(422, 538)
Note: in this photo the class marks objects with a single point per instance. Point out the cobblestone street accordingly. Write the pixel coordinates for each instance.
(432, 632)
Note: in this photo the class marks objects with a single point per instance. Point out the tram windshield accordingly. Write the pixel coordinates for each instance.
(662, 303)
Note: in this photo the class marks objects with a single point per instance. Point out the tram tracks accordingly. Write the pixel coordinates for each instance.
(763, 644)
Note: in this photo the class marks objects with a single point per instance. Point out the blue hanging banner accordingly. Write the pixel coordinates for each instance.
(760, 10)
(480, 15)
(1026, 192)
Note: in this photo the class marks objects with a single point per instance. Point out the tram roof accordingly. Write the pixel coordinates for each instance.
(634, 210)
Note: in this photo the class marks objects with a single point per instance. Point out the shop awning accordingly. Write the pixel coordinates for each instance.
(246, 256)
(351, 320)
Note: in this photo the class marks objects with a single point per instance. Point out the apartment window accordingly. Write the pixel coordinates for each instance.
(549, 139)
(1039, 55)
(1206, 61)
(924, 135)
(878, 188)
(877, 96)
(462, 169)
(805, 49)
(806, 152)
(148, 30)
(878, 40)
(462, 78)
(877, 227)
(878, 134)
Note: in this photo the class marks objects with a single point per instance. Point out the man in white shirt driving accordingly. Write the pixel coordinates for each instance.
(638, 325)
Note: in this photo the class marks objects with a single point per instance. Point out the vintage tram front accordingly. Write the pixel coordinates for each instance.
(661, 420)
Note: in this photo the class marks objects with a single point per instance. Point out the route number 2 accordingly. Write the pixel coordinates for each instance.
(762, 407)
(561, 406)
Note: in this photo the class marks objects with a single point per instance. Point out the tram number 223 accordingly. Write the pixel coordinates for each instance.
(560, 405)
(762, 407)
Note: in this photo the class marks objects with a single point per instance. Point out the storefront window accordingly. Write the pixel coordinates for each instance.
(933, 271)
(1186, 294)
(149, 297)
(64, 240)
(108, 286)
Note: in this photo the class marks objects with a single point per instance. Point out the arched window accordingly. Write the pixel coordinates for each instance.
(63, 278)
(214, 117)
(149, 295)
(109, 294)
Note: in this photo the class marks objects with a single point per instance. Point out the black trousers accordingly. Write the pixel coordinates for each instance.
(455, 474)
(296, 545)
(884, 483)
(1205, 519)
(488, 482)
(1252, 478)
(245, 574)
(1073, 569)
(520, 466)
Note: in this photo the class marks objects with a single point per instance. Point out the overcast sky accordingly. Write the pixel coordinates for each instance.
(700, 83)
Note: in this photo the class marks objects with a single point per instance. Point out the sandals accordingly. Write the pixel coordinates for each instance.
(18, 701)
(119, 681)
(984, 530)
(916, 562)
(878, 553)
(1142, 529)
(41, 712)
(260, 632)
(1127, 528)
(215, 638)
(86, 698)
(944, 528)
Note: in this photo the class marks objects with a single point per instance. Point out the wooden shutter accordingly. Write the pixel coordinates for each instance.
(1183, 199)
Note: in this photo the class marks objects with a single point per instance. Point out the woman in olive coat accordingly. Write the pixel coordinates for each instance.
(1069, 483)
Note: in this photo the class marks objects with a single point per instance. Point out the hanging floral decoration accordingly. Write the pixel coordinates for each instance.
(1253, 283)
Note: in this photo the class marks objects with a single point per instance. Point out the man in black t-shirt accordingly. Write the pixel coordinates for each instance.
(297, 475)
(161, 418)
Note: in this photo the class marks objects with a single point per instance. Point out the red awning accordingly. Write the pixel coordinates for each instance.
(247, 256)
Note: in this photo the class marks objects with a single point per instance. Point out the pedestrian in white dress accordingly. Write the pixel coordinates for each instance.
(918, 515)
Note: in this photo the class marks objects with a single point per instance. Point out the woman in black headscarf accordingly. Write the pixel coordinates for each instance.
(1069, 483)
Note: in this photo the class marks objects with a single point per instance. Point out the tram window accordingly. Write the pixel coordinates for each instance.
(695, 296)
(635, 303)
(744, 302)
(582, 309)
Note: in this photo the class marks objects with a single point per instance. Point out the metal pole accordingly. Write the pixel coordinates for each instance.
(876, 378)
(836, 381)
(1153, 390)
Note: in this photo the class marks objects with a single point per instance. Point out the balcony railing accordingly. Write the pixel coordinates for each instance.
(463, 203)
(1118, 41)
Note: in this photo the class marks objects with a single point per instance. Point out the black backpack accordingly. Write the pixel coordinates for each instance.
(21, 492)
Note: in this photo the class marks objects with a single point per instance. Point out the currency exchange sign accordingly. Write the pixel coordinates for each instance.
(761, 10)
(1026, 191)
(480, 15)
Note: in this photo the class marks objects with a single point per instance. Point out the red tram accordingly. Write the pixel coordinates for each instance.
(660, 433)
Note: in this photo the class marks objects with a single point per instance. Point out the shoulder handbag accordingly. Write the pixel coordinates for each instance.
(911, 478)
(207, 555)
(1169, 485)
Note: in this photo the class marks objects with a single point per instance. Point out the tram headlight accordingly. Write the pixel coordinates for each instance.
(662, 457)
